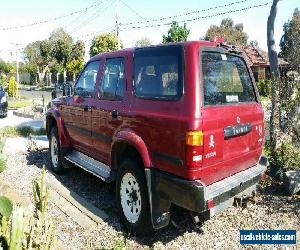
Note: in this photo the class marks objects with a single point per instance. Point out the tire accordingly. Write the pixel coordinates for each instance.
(56, 152)
(132, 198)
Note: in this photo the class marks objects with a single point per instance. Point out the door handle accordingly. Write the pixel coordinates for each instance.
(86, 108)
(114, 114)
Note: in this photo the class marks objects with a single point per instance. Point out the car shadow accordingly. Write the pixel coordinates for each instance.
(102, 195)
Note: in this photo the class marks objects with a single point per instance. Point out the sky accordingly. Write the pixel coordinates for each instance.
(101, 17)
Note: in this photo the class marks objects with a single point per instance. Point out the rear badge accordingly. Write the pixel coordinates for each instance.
(210, 155)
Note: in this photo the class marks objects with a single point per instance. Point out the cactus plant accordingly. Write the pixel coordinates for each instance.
(5, 207)
(40, 194)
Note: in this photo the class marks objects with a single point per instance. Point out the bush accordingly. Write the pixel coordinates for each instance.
(12, 87)
(264, 87)
(286, 155)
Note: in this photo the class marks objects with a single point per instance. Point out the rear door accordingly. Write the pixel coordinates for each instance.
(232, 117)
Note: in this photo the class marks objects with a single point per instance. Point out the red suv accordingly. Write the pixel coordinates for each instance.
(170, 124)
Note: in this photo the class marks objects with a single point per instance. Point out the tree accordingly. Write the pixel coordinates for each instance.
(233, 34)
(78, 51)
(274, 118)
(290, 42)
(176, 33)
(143, 42)
(62, 44)
(74, 67)
(103, 43)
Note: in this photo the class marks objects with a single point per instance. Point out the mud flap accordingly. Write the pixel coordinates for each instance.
(159, 207)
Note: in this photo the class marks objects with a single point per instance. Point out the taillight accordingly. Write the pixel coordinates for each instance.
(194, 149)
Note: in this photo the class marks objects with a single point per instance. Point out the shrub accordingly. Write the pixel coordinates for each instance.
(264, 87)
(12, 87)
(286, 155)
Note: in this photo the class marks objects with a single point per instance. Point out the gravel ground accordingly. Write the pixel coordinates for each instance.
(272, 210)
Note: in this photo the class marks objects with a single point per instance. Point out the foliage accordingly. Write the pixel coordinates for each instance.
(290, 42)
(29, 231)
(52, 54)
(3, 79)
(61, 45)
(31, 69)
(5, 207)
(176, 33)
(40, 194)
(233, 34)
(286, 155)
(12, 87)
(143, 42)
(103, 43)
(264, 87)
(75, 66)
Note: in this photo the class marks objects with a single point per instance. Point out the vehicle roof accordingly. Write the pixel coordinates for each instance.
(127, 51)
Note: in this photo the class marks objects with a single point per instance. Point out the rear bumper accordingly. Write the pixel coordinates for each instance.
(194, 195)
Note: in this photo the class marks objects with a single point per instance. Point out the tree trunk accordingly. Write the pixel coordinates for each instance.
(274, 118)
(42, 74)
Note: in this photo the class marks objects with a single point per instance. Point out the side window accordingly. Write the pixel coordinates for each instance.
(158, 72)
(113, 80)
(86, 83)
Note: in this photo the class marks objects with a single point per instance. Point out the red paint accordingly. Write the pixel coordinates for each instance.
(157, 126)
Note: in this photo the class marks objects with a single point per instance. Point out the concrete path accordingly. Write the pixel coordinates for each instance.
(22, 145)
(16, 121)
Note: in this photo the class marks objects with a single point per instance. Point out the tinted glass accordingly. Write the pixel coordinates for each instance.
(87, 80)
(226, 79)
(113, 80)
(158, 72)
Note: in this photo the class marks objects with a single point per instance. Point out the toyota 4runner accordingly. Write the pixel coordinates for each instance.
(169, 124)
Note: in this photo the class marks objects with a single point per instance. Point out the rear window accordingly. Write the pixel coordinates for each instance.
(158, 72)
(225, 79)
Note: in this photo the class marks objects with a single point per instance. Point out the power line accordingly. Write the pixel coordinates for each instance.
(137, 14)
(50, 19)
(94, 16)
(187, 13)
(199, 18)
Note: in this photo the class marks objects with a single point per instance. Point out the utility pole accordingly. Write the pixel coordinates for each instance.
(117, 22)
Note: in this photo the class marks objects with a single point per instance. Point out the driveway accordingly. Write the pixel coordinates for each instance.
(16, 121)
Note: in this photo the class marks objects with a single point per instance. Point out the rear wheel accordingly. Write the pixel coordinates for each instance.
(55, 152)
(132, 198)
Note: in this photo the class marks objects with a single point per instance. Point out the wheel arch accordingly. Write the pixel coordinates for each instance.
(53, 118)
(127, 143)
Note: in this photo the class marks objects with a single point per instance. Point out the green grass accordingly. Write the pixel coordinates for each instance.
(15, 104)
(2, 159)
(2, 163)
(22, 131)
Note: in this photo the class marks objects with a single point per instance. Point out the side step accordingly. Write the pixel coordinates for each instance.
(91, 165)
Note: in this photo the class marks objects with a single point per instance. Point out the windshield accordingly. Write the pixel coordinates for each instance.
(225, 79)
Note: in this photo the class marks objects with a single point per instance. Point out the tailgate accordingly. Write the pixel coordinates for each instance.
(232, 117)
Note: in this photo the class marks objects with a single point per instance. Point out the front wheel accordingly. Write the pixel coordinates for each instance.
(56, 152)
(132, 198)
